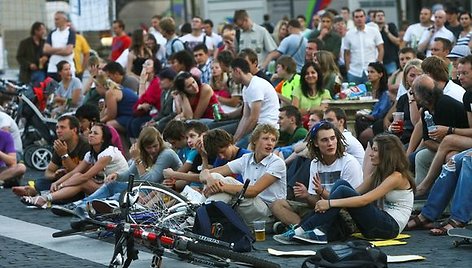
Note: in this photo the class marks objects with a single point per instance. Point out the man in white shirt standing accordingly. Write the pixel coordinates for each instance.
(197, 36)
(437, 30)
(261, 104)
(60, 45)
(362, 45)
(415, 31)
(216, 38)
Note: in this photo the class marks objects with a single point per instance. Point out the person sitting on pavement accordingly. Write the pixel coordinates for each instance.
(9, 125)
(149, 157)
(88, 175)
(68, 152)
(10, 171)
(291, 129)
(380, 206)
(265, 170)
(195, 160)
(330, 163)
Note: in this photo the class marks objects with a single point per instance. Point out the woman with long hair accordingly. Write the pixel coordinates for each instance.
(149, 97)
(367, 125)
(88, 175)
(308, 97)
(138, 53)
(280, 31)
(195, 99)
(332, 77)
(219, 84)
(380, 206)
(406, 103)
(149, 156)
(119, 101)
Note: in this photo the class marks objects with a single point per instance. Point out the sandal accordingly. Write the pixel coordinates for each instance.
(34, 201)
(24, 191)
(442, 229)
(418, 224)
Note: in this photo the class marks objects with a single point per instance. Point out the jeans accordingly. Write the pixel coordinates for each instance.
(356, 79)
(390, 67)
(372, 221)
(455, 181)
(110, 190)
(244, 141)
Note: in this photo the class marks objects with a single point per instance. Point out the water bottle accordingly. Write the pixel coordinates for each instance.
(428, 118)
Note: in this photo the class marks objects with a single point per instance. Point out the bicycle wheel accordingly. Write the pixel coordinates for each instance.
(159, 206)
(200, 248)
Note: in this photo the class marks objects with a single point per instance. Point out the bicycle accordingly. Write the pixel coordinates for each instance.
(188, 246)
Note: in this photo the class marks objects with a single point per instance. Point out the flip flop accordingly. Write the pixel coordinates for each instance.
(33, 201)
(442, 230)
(419, 224)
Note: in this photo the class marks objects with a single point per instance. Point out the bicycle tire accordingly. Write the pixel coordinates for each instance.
(201, 248)
(156, 203)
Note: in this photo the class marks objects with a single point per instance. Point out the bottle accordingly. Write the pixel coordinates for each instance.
(216, 112)
(428, 118)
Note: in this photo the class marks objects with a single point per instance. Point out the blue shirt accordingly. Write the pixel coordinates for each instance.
(382, 106)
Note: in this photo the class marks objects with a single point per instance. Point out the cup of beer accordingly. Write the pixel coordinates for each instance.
(259, 230)
(398, 123)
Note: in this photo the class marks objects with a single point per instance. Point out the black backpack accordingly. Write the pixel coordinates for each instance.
(360, 254)
(218, 220)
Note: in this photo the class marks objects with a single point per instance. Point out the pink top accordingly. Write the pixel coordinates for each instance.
(116, 140)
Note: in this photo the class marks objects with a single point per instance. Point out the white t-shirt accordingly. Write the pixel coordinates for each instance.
(252, 171)
(413, 34)
(192, 40)
(7, 122)
(442, 32)
(354, 147)
(260, 89)
(363, 47)
(401, 91)
(216, 38)
(453, 90)
(346, 168)
(61, 39)
(117, 164)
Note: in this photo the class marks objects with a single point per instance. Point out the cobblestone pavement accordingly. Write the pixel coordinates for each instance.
(438, 251)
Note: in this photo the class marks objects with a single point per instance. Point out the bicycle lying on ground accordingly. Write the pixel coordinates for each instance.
(161, 228)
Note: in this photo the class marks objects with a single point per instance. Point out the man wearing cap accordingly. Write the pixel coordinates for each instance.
(457, 52)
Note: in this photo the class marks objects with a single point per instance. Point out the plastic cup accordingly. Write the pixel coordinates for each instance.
(398, 118)
(259, 230)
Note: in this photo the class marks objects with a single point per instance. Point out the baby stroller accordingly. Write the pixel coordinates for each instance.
(27, 107)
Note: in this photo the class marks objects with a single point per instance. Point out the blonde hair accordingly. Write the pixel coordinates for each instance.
(259, 130)
(147, 137)
(414, 63)
(104, 81)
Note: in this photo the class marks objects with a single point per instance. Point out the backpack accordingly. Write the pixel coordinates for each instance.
(360, 254)
(172, 45)
(218, 220)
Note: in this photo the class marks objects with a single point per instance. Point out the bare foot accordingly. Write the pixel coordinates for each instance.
(24, 191)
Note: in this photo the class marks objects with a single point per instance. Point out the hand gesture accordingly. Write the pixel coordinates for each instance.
(110, 178)
(143, 76)
(134, 151)
(169, 182)
(54, 187)
(213, 187)
(200, 148)
(316, 180)
(421, 190)
(168, 173)
(321, 206)
(300, 190)
(60, 147)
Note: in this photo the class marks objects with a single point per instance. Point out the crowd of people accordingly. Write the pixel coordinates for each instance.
(220, 105)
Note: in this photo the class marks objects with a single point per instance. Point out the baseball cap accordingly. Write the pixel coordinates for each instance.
(459, 51)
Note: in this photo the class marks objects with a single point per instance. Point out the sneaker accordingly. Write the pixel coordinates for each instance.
(279, 228)
(286, 238)
(315, 236)
(105, 206)
(65, 210)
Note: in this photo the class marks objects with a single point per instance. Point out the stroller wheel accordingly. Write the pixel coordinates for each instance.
(38, 157)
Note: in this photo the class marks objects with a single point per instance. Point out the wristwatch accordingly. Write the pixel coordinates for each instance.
(64, 157)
